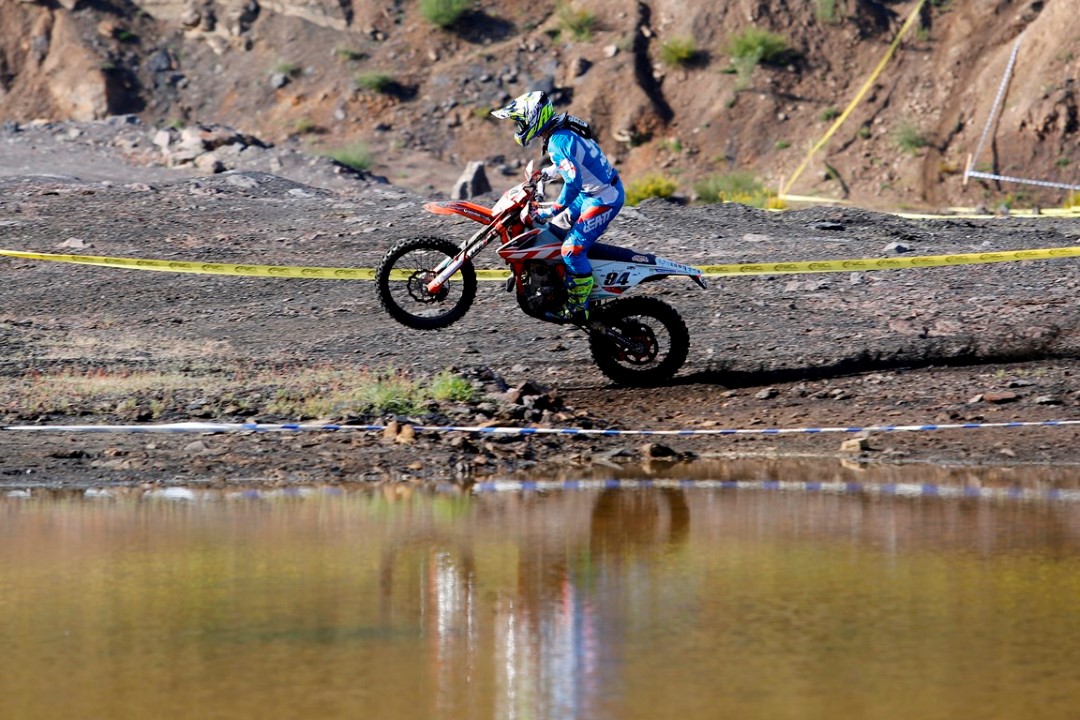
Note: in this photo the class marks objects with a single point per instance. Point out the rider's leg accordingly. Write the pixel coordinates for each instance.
(590, 225)
(579, 279)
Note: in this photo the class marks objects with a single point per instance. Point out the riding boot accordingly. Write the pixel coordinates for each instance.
(578, 289)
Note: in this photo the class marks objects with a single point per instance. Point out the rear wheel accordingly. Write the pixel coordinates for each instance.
(643, 341)
(401, 283)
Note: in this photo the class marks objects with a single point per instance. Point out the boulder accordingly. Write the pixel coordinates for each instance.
(72, 70)
(472, 182)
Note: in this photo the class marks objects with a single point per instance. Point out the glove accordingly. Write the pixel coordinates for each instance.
(549, 173)
(542, 215)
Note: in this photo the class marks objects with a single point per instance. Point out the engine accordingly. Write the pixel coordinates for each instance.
(542, 290)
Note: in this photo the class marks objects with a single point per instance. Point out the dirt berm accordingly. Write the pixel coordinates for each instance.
(982, 343)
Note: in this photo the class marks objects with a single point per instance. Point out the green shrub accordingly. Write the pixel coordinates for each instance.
(375, 81)
(286, 68)
(325, 392)
(829, 113)
(578, 24)
(345, 54)
(379, 392)
(737, 187)
(443, 13)
(680, 51)
(910, 138)
(782, 144)
(719, 188)
(355, 156)
(448, 386)
(650, 186)
(304, 126)
(752, 47)
(673, 145)
(760, 45)
(390, 393)
(825, 10)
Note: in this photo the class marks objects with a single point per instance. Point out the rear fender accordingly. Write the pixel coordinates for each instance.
(670, 267)
(614, 277)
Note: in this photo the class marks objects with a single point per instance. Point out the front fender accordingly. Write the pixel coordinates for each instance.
(479, 213)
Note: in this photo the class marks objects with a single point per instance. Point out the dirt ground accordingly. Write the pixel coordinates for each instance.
(974, 344)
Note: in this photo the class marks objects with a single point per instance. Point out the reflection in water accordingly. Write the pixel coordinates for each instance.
(661, 602)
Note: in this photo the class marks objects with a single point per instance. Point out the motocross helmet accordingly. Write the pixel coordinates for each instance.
(530, 112)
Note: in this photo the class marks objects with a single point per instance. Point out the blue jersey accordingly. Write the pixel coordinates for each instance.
(584, 169)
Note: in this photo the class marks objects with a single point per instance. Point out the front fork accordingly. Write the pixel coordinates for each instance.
(469, 249)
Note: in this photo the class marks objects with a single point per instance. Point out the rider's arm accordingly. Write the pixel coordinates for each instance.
(561, 149)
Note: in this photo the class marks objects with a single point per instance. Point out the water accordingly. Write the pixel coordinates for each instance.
(672, 601)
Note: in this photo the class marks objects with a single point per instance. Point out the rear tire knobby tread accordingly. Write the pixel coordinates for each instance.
(654, 309)
(402, 314)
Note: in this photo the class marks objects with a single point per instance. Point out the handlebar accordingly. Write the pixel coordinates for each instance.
(536, 183)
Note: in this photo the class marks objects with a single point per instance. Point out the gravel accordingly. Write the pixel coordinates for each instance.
(866, 348)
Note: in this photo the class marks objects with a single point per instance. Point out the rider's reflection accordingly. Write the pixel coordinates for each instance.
(556, 650)
(541, 631)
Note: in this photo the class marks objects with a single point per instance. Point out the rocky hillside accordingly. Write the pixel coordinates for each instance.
(660, 79)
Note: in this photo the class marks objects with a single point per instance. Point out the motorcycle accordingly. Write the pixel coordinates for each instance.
(428, 283)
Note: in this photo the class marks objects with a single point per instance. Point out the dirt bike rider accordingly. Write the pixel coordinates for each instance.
(592, 192)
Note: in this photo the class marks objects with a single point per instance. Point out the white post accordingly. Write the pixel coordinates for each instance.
(994, 110)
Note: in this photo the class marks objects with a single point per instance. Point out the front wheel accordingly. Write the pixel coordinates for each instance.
(642, 341)
(401, 283)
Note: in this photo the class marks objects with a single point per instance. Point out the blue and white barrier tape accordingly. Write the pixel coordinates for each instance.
(205, 427)
(890, 489)
(885, 490)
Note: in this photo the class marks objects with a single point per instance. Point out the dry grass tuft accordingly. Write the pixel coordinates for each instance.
(293, 393)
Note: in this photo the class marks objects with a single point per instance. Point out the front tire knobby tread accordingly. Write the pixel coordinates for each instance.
(402, 314)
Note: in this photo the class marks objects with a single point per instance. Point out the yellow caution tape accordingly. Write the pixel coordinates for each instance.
(956, 213)
(781, 268)
(894, 263)
(1015, 212)
(972, 215)
(204, 268)
(212, 268)
(812, 199)
(858, 96)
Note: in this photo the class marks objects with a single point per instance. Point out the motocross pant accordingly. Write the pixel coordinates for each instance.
(592, 215)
